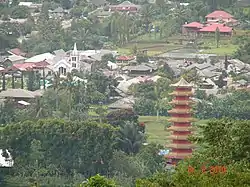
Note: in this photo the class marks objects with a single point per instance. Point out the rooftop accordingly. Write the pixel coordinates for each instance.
(182, 83)
(194, 25)
(219, 14)
(212, 28)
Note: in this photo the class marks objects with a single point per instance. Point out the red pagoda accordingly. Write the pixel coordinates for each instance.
(181, 119)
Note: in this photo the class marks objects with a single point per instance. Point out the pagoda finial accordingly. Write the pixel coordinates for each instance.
(182, 83)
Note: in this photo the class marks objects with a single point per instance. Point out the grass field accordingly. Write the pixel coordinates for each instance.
(156, 45)
(152, 43)
(155, 128)
(225, 46)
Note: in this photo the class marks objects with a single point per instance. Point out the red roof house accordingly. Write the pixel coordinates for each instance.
(193, 27)
(30, 65)
(17, 51)
(219, 15)
(212, 29)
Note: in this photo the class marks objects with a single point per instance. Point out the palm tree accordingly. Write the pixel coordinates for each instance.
(147, 13)
(130, 139)
(4, 81)
(56, 86)
(70, 88)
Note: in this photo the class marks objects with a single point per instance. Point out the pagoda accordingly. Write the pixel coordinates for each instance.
(181, 119)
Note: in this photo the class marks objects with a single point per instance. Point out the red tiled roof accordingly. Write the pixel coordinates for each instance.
(194, 25)
(219, 14)
(17, 51)
(213, 27)
(30, 65)
(125, 58)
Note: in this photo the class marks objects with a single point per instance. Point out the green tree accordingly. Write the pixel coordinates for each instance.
(99, 181)
(66, 155)
(217, 36)
(129, 138)
(19, 12)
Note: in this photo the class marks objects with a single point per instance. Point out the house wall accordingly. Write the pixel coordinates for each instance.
(187, 30)
(212, 33)
(217, 18)
(18, 61)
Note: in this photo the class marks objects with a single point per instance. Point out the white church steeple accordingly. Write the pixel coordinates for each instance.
(74, 58)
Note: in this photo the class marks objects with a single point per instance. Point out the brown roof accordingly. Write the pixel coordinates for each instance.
(182, 83)
(180, 146)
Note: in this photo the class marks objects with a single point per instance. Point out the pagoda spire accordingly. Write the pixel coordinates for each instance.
(181, 119)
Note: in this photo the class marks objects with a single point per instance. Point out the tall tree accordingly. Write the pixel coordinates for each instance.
(217, 36)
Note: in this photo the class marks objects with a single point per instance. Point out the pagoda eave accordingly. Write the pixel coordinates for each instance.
(180, 111)
(180, 129)
(178, 155)
(180, 146)
(181, 120)
(182, 102)
(178, 137)
(190, 93)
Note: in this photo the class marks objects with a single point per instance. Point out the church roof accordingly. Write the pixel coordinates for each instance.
(182, 83)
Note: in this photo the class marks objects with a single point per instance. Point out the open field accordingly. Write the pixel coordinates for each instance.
(225, 46)
(152, 43)
(156, 45)
(155, 128)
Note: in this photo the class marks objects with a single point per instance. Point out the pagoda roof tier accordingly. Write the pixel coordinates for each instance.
(180, 93)
(181, 102)
(181, 119)
(175, 128)
(178, 155)
(180, 146)
(178, 137)
(182, 83)
(180, 111)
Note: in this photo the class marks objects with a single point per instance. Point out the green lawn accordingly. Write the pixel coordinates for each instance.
(152, 43)
(225, 46)
(221, 50)
(155, 128)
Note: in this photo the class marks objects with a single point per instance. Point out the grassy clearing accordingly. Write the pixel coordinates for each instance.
(155, 128)
(152, 43)
(222, 50)
(225, 46)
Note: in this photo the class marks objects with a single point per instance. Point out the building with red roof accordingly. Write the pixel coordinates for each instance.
(17, 51)
(212, 29)
(219, 15)
(192, 27)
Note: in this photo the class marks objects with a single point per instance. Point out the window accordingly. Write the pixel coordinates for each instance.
(74, 65)
(74, 59)
(49, 73)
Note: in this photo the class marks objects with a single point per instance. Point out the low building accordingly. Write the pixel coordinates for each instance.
(125, 6)
(17, 51)
(13, 59)
(193, 28)
(223, 29)
(141, 69)
(58, 13)
(219, 15)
